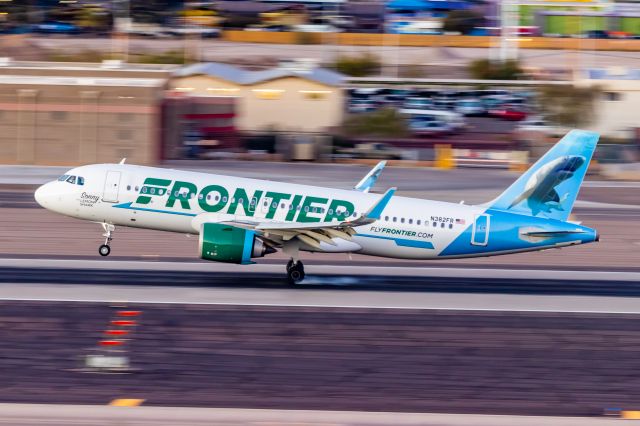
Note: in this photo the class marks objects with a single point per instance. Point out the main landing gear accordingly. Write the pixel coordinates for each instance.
(295, 271)
(105, 248)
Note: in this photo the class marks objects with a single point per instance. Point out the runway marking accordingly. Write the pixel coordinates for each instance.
(126, 402)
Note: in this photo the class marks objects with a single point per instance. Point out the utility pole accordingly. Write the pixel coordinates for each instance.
(509, 23)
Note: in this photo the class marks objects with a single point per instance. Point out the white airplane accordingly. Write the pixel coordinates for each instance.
(239, 219)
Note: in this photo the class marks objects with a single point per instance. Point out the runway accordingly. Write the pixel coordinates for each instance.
(96, 415)
(355, 359)
(319, 276)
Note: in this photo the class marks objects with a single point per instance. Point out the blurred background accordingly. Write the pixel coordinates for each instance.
(459, 96)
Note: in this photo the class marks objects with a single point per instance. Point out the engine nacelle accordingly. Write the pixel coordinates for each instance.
(230, 244)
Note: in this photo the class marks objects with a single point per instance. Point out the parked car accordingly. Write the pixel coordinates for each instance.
(426, 127)
(374, 150)
(418, 103)
(596, 34)
(470, 107)
(538, 124)
(361, 105)
(454, 120)
(508, 113)
(56, 28)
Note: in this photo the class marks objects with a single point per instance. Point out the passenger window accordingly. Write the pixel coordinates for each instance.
(451, 226)
(128, 187)
(386, 218)
(80, 180)
(394, 218)
(137, 188)
(410, 221)
(71, 179)
(418, 222)
(442, 225)
(402, 220)
(435, 224)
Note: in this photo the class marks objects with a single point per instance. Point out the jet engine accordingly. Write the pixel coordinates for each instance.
(230, 244)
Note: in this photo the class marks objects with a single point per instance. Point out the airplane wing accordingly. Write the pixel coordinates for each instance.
(310, 233)
(370, 179)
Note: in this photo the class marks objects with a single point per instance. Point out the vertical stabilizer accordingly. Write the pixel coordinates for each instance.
(550, 187)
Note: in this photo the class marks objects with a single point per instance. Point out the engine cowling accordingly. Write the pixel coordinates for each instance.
(230, 244)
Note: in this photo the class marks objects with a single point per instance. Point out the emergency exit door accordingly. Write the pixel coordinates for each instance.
(480, 232)
(111, 187)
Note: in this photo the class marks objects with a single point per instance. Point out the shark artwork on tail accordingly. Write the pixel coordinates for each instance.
(540, 190)
(550, 187)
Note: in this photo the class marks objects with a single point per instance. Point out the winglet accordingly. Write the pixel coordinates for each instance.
(375, 212)
(370, 179)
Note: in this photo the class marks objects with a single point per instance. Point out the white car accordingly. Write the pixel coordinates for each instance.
(538, 124)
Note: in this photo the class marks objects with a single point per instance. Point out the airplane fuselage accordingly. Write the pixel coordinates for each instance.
(409, 228)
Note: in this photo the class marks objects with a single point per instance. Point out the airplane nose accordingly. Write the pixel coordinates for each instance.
(42, 194)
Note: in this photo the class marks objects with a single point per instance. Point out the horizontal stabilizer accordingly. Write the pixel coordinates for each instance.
(551, 233)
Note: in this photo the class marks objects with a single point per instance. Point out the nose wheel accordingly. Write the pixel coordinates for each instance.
(295, 271)
(105, 248)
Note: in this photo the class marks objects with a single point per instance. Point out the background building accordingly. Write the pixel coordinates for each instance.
(90, 115)
(295, 97)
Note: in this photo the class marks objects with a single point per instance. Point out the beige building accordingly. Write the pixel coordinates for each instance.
(79, 115)
(296, 98)
(616, 112)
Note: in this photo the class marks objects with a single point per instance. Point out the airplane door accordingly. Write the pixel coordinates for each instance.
(111, 187)
(480, 232)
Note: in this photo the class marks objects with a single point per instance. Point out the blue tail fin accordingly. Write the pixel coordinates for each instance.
(550, 187)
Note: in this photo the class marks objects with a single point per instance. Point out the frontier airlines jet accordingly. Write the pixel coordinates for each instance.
(239, 219)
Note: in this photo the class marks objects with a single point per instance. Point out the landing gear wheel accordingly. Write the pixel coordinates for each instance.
(104, 250)
(295, 272)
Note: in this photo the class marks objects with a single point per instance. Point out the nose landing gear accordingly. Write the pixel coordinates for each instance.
(295, 271)
(105, 248)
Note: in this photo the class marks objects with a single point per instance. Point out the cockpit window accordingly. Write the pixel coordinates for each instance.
(75, 180)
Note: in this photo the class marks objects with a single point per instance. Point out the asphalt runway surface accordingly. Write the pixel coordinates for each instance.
(357, 278)
(530, 363)
(96, 415)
